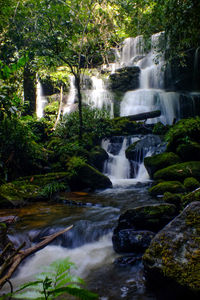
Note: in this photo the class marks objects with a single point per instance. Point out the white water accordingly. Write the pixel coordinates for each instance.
(151, 95)
(41, 100)
(87, 258)
(71, 97)
(118, 167)
(99, 96)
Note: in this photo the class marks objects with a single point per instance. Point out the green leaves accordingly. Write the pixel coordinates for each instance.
(55, 281)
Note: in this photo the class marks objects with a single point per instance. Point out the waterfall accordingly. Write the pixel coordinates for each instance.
(196, 68)
(99, 96)
(67, 108)
(120, 170)
(41, 100)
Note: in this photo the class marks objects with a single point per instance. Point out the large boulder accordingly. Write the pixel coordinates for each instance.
(174, 253)
(125, 79)
(148, 217)
(97, 157)
(188, 150)
(131, 241)
(179, 171)
(87, 177)
(167, 186)
(138, 150)
(160, 161)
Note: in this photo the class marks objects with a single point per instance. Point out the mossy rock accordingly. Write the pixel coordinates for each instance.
(191, 197)
(172, 198)
(160, 161)
(174, 252)
(44, 179)
(97, 158)
(17, 193)
(191, 184)
(188, 150)
(167, 186)
(125, 79)
(148, 217)
(32, 188)
(179, 171)
(87, 177)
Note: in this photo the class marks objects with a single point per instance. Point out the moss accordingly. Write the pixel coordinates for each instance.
(188, 150)
(167, 186)
(178, 256)
(87, 177)
(160, 161)
(191, 197)
(160, 129)
(191, 184)
(179, 171)
(173, 199)
(14, 194)
(97, 157)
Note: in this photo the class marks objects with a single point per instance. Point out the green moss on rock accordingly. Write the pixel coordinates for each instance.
(191, 197)
(188, 150)
(87, 177)
(179, 171)
(175, 250)
(167, 186)
(173, 199)
(191, 184)
(160, 161)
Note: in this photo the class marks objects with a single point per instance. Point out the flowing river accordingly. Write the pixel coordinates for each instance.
(93, 216)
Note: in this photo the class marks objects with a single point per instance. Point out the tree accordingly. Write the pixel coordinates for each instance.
(64, 32)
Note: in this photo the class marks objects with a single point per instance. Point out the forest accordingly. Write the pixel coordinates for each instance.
(100, 149)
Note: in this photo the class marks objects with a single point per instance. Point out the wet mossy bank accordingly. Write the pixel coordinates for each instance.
(45, 187)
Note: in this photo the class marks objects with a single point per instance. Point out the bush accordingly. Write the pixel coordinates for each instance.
(95, 126)
(19, 151)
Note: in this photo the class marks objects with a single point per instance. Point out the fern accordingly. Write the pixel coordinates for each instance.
(53, 282)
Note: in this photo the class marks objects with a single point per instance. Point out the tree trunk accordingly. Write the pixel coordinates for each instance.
(78, 86)
(60, 107)
(143, 116)
(13, 261)
(29, 86)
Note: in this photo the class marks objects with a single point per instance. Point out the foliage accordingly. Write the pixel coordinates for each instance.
(49, 189)
(20, 151)
(55, 281)
(160, 129)
(95, 125)
(178, 20)
(74, 164)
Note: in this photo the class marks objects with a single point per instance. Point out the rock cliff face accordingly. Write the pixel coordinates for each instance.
(174, 253)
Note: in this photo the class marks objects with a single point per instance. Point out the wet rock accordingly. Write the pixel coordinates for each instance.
(131, 241)
(127, 260)
(139, 149)
(160, 161)
(167, 186)
(90, 178)
(149, 217)
(174, 253)
(97, 158)
(125, 79)
(179, 171)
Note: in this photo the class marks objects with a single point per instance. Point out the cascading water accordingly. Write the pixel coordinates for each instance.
(151, 94)
(121, 171)
(41, 100)
(99, 96)
(68, 107)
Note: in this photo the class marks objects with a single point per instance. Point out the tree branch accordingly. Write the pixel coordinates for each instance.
(22, 254)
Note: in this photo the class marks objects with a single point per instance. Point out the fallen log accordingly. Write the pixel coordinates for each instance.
(143, 116)
(14, 261)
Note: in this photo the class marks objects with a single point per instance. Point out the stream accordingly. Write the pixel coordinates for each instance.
(93, 216)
